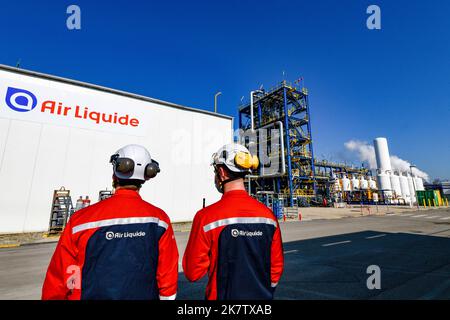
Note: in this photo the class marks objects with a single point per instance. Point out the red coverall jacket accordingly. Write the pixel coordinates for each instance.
(238, 242)
(119, 248)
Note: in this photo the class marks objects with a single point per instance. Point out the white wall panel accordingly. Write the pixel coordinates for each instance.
(47, 172)
(16, 174)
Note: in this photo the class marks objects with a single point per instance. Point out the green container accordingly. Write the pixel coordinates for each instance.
(431, 197)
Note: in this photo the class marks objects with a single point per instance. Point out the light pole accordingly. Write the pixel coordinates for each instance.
(215, 100)
(414, 186)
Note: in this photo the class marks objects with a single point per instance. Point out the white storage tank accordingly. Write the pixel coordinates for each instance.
(58, 132)
(355, 183)
(384, 168)
(372, 184)
(364, 184)
(405, 188)
(382, 154)
(384, 182)
(395, 183)
(412, 190)
(346, 184)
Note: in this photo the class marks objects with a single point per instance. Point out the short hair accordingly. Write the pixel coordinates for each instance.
(231, 174)
(128, 183)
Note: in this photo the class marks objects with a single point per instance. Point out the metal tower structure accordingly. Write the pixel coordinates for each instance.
(289, 105)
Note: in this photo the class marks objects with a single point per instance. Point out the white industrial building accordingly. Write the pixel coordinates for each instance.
(57, 132)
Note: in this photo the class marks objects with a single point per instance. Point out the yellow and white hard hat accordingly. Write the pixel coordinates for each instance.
(236, 158)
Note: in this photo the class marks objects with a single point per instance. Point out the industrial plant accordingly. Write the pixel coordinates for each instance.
(299, 179)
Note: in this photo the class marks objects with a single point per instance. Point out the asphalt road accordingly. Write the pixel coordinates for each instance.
(324, 259)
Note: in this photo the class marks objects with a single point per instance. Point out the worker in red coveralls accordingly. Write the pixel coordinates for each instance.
(236, 240)
(119, 248)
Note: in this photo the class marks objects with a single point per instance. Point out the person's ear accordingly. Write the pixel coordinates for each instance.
(222, 173)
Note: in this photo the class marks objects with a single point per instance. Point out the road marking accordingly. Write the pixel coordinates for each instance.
(445, 218)
(408, 214)
(335, 243)
(419, 215)
(432, 217)
(290, 251)
(377, 236)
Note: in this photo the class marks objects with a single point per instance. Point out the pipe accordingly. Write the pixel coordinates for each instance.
(283, 160)
(251, 109)
(215, 100)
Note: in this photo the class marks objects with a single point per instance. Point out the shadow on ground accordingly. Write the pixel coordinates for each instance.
(412, 267)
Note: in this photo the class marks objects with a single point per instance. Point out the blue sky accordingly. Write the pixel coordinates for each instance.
(393, 82)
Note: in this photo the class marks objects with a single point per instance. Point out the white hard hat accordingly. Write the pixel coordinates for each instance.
(236, 158)
(133, 162)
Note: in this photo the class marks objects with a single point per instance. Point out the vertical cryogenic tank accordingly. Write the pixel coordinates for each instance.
(346, 184)
(382, 154)
(364, 183)
(405, 188)
(372, 184)
(395, 183)
(355, 183)
(412, 190)
(383, 167)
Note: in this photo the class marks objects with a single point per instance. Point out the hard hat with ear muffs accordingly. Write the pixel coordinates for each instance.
(133, 162)
(236, 158)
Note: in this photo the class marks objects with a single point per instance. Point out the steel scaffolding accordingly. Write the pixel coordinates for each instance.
(288, 104)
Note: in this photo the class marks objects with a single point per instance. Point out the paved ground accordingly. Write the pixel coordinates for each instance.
(325, 259)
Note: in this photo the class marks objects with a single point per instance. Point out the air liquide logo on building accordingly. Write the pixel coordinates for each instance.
(236, 233)
(122, 235)
(20, 100)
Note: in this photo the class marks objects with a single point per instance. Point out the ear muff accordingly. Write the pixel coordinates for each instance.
(246, 160)
(151, 170)
(124, 166)
(255, 162)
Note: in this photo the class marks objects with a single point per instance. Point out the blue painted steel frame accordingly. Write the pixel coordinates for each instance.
(288, 147)
(310, 143)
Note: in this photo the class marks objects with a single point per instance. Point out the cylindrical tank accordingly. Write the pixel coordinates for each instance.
(419, 184)
(384, 182)
(364, 184)
(395, 183)
(372, 184)
(412, 189)
(346, 184)
(382, 154)
(405, 188)
(355, 183)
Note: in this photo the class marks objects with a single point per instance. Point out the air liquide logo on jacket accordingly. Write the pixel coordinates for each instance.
(236, 233)
(124, 235)
(20, 100)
